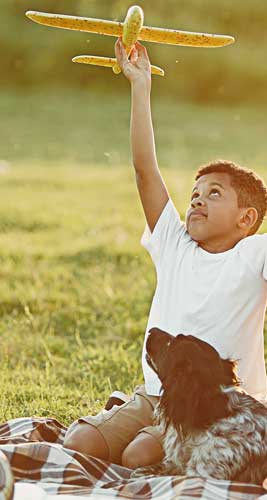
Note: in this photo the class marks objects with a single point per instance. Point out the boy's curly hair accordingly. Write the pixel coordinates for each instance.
(250, 188)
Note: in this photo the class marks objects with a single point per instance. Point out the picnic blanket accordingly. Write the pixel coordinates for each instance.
(34, 449)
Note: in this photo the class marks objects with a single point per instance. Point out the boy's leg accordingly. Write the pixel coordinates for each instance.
(85, 438)
(107, 434)
(145, 449)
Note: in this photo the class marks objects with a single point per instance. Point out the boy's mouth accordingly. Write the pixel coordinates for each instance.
(197, 214)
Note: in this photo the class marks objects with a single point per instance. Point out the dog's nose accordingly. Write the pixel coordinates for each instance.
(180, 336)
(153, 336)
(157, 342)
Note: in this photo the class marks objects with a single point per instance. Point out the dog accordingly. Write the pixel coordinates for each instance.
(212, 428)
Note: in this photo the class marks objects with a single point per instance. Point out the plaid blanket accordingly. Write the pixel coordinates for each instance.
(34, 449)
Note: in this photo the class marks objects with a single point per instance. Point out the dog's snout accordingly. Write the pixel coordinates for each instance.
(157, 340)
(151, 363)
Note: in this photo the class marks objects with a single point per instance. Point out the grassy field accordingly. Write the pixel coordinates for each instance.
(76, 285)
(87, 127)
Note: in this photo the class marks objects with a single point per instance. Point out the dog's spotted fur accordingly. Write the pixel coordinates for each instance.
(212, 427)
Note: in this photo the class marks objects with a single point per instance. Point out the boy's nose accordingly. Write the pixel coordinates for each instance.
(197, 202)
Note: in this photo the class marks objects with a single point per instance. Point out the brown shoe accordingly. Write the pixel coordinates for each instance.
(117, 398)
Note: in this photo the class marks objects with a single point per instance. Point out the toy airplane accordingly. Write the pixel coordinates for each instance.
(131, 30)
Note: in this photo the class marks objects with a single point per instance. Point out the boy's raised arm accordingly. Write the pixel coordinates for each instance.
(151, 187)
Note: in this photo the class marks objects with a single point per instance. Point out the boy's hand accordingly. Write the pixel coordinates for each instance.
(138, 67)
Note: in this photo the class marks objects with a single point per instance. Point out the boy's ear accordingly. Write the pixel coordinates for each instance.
(248, 218)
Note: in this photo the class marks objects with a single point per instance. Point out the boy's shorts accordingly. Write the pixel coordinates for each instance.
(121, 424)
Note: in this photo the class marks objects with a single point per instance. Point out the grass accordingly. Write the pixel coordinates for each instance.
(76, 286)
(88, 127)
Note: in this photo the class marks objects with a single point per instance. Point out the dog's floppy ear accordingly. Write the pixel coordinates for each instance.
(190, 404)
(212, 407)
(192, 394)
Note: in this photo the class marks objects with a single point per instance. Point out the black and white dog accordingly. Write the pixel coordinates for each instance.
(212, 427)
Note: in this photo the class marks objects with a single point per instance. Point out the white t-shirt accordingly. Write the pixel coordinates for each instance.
(218, 297)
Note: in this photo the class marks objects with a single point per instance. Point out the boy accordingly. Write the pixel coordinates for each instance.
(211, 278)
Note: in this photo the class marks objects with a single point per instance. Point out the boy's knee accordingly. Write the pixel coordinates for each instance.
(142, 451)
(85, 438)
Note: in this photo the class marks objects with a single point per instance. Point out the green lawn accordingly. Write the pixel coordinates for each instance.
(76, 285)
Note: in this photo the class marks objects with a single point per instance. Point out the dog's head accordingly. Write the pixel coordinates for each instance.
(192, 375)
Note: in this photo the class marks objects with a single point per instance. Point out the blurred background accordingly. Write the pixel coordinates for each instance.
(76, 285)
(52, 109)
(33, 55)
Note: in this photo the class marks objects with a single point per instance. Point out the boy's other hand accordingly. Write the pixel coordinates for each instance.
(137, 68)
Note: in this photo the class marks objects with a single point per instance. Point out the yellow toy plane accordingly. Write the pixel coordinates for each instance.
(131, 30)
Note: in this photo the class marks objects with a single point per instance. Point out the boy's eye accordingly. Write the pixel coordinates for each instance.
(213, 190)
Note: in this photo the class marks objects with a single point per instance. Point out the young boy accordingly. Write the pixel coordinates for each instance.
(211, 278)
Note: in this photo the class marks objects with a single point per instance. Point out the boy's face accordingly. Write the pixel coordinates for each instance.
(216, 200)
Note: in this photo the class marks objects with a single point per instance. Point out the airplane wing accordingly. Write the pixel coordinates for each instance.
(185, 38)
(109, 62)
(115, 28)
(91, 25)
